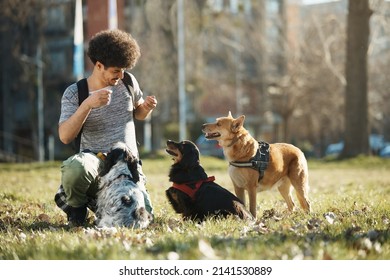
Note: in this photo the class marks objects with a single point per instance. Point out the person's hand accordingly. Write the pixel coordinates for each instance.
(100, 97)
(150, 102)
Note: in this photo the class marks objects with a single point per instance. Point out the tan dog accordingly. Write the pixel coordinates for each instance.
(287, 164)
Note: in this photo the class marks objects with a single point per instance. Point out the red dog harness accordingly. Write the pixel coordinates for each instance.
(191, 188)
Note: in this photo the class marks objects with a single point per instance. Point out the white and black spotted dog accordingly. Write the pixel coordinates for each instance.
(120, 200)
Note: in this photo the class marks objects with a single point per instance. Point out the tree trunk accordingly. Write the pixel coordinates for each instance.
(356, 102)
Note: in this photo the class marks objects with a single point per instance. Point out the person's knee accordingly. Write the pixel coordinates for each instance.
(78, 174)
(82, 164)
(73, 170)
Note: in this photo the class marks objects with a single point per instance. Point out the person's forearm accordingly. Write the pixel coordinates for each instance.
(142, 112)
(68, 130)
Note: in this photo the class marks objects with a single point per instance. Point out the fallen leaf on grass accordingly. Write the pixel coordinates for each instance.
(296, 252)
(43, 218)
(22, 236)
(173, 256)
(297, 227)
(330, 217)
(148, 242)
(313, 223)
(206, 249)
(326, 256)
(100, 232)
(271, 214)
(258, 227)
(261, 228)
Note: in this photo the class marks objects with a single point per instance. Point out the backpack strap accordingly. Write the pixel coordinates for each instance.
(128, 81)
(83, 92)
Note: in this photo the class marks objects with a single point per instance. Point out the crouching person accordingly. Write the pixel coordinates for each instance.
(104, 117)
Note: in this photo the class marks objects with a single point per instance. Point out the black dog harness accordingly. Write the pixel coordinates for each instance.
(191, 188)
(259, 162)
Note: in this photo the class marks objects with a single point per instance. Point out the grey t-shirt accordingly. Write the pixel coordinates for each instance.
(109, 124)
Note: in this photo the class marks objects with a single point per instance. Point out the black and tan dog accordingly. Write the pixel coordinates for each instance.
(194, 194)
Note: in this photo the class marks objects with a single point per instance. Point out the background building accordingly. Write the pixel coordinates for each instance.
(279, 62)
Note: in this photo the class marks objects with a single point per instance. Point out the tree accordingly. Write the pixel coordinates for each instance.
(356, 99)
(379, 58)
(21, 32)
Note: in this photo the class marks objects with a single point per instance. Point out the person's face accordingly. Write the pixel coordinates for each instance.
(110, 75)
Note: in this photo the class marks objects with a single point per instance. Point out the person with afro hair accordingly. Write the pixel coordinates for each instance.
(105, 118)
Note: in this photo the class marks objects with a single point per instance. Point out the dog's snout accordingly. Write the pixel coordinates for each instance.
(140, 214)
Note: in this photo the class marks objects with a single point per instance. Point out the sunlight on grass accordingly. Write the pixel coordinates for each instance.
(350, 219)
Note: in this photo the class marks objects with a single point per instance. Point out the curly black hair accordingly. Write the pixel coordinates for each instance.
(114, 48)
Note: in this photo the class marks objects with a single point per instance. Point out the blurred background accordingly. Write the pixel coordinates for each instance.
(281, 63)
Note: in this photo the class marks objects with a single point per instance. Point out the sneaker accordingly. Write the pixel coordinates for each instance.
(77, 216)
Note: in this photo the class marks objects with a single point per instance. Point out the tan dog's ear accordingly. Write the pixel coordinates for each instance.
(230, 115)
(238, 123)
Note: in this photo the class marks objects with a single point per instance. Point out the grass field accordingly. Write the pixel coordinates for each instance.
(350, 219)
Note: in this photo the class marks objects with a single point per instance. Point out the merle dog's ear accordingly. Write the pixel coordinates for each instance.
(111, 159)
(132, 164)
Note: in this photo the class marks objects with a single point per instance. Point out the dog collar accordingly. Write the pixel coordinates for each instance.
(101, 155)
(191, 188)
(259, 162)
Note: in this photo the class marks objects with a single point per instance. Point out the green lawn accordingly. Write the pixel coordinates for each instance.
(350, 219)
